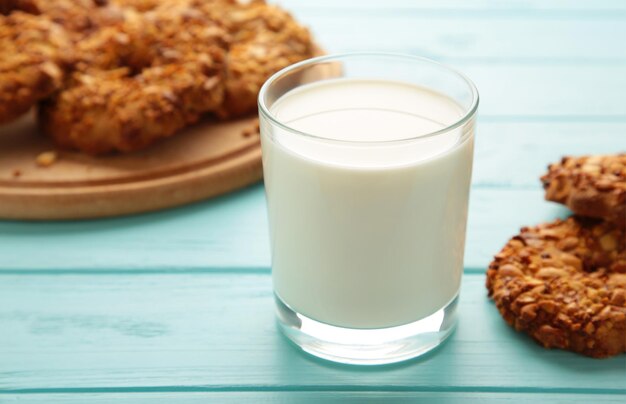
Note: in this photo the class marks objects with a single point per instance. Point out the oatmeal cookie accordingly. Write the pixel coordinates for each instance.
(32, 59)
(564, 284)
(142, 80)
(593, 186)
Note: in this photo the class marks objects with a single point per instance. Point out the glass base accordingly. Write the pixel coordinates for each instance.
(367, 346)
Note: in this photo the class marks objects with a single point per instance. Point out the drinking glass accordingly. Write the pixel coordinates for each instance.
(367, 162)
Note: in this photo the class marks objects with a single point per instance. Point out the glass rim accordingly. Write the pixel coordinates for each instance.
(467, 116)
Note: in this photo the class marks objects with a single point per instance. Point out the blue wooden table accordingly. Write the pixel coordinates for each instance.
(176, 306)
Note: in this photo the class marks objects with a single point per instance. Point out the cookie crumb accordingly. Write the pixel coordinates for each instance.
(46, 159)
(249, 132)
(16, 173)
(252, 130)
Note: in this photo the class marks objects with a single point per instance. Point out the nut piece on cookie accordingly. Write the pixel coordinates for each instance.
(564, 284)
(593, 186)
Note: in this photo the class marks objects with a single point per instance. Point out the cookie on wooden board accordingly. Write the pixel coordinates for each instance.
(593, 186)
(564, 284)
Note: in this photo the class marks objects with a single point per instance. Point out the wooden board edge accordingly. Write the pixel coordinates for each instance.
(101, 201)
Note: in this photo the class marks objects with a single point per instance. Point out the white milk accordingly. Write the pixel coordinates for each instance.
(366, 235)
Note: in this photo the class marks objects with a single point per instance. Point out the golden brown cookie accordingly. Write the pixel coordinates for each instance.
(264, 39)
(121, 74)
(142, 80)
(564, 284)
(32, 51)
(593, 186)
(76, 16)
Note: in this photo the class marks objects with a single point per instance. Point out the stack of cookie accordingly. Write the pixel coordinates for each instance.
(564, 282)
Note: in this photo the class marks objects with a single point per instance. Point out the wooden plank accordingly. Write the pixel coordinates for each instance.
(199, 235)
(564, 91)
(180, 332)
(461, 5)
(228, 233)
(534, 38)
(306, 397)
(516, 154)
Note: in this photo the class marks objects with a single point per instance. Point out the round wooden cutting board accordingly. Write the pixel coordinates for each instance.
(204, 160)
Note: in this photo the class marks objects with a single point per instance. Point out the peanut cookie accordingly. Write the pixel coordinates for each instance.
(564, 284)
(593, 186)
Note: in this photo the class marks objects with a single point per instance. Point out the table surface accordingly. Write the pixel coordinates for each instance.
(176, 306)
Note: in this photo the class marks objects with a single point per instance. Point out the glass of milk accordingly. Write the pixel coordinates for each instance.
(367, 161)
